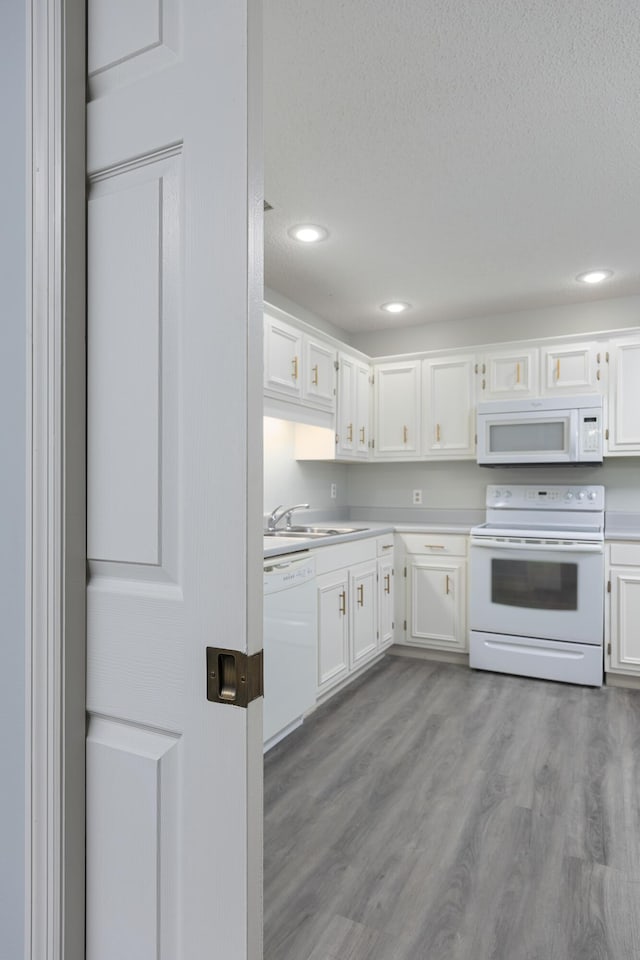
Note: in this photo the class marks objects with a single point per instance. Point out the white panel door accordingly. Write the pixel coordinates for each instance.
(174, 407)
(448, 407)
(364, 612)
(623, 436)
(386, 593)
(437, 604)
(333, 629)
(282, 359)
(319, 374)
(625, 617)
(362, 407)
(572, 369)
(397, 399)
(346, 422)
(506, 374)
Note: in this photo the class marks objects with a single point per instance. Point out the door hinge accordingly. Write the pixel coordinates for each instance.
(336, 364)
(373, 443)
(405, 625)
(234, 677)
(337, 439)
(372, 379)
(606, 434)
(405, 572)
(609, 649)
(608, 586)
(606, 356)
(475, 439)
(377, 634)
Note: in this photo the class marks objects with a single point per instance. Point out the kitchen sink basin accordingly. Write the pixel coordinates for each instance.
(312, 533)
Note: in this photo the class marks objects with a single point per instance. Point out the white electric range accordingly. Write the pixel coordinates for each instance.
(536, 583)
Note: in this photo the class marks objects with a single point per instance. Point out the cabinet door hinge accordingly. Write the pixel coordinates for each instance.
(377, 634)
(609, 649)
(606, 357)
(234, 677)
(606, 434)
(337, 439)
(475, 439)
(336, 364)
(373, 443)
(405, 625)
(405, 572)
(393, 626)
(608, 586)
(372, 379)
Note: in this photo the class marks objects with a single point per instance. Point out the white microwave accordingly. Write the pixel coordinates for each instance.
(543, 430)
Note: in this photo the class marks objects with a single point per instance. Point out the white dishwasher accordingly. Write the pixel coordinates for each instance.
(290, 643)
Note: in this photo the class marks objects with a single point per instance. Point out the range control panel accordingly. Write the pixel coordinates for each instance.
(546, 497)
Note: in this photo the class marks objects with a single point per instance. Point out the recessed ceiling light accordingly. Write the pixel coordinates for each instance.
(395, 306)
(308, 233)
(594, 276)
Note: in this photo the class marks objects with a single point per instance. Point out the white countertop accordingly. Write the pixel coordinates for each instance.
(277, 546)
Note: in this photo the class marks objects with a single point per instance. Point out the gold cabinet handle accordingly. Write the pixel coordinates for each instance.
(387, 546)
(447, 579)
(405, 434)
(350, 433)
(361, 594)
(294, 364)
(362, 435)
(343, 602)
(517, 373)
(437, 433)
(314, 381)
(558, 368)
(435, 546)
(387, 583)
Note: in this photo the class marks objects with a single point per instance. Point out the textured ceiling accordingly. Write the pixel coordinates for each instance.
(469, 156)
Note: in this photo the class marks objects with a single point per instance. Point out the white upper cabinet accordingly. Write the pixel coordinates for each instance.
(282, 359)
(352, 426)
(448, 408)
(363, 409)
(319, 373)
(572, 369)
(624, 397)
(397, 410)
(505, 374)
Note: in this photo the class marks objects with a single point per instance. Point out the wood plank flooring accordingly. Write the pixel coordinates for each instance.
(431, 812)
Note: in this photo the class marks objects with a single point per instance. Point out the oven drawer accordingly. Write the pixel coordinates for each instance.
(532, 657)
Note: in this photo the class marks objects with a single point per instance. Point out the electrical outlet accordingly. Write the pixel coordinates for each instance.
(334, 491)
(417, 496)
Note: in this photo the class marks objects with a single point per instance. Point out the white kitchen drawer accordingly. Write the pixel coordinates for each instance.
(435, 544)
(344, 554)
(385, 545)
(625, 554)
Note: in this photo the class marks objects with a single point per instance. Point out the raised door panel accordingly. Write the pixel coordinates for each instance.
(448, 407)
(319, 374)
(386, 593)
(624, 398)
(282, 359)
(507, 374)
(346, 427)
(625, 617)
(436, 605)
(333, 629)
(572, 369)
(364, 604)
(362, 406)
(397, 409)
(173, 379)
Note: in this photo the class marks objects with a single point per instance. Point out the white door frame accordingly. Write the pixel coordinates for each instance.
(55, 534)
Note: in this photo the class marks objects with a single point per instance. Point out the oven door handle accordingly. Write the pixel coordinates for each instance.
(579, 547)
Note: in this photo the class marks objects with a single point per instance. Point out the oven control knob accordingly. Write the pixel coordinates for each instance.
(592, 495)
(498, 494)
(506, 494)
(568, 495)
(581, 495)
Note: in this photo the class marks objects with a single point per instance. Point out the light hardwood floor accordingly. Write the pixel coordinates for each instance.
(431, 812)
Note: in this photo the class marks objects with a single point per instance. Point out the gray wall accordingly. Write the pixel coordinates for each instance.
(12, 475)
(575, 318)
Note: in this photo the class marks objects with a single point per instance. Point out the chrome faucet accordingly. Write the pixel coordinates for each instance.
(276, 515)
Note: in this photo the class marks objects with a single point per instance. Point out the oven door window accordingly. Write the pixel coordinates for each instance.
(534, 584)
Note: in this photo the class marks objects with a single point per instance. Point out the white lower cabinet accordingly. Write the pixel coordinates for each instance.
(355, 606)
(621, 627)
(333, 629)
(435, 568)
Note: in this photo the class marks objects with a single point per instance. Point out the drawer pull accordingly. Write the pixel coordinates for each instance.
(405, 434)
(294, 372)
(362, 435)
(447, 583)
(361, 595)
(387, 546)
(435, 546)
(350, 433)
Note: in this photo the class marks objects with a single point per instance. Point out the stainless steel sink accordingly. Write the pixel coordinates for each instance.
(312, 533)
